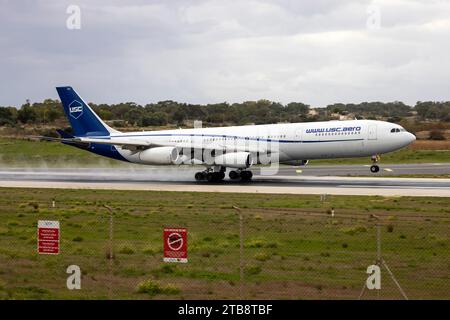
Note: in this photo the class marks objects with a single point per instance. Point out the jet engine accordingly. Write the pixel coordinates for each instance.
(238, 160)
(159, 156)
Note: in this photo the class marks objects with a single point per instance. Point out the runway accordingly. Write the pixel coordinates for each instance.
(354, 170)
(312, 180)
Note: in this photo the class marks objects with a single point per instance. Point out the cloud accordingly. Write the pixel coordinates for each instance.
(317, 52)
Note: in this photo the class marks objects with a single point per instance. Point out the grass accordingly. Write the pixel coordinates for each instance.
(153, 288)
(292, 246)
(19, 153)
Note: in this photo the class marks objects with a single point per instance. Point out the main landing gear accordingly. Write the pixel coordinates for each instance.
(209, 176)
(374, 168)
(215, 176)
(244, 175)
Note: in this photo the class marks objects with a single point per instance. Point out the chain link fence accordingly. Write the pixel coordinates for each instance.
(262, 252)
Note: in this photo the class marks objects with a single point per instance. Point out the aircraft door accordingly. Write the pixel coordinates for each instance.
(372, 132)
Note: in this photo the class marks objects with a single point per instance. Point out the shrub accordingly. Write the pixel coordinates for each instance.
(436, 135)
(271, 245)
(262, 256)
(153, 288)
(126, 250)
(390, 228)
(252, 270)
(354, 230)
(165, 269)
(34, 205)
(149, 251)
(255, 243)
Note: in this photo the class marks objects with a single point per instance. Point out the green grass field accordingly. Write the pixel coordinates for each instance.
(293, 248)
(19, 153)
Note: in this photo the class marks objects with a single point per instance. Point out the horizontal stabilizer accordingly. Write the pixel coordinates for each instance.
(64, 134)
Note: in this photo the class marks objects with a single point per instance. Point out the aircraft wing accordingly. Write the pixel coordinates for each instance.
(126, 143)
(133, 144)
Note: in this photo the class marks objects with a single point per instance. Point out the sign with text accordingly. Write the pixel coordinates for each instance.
(175, 245)
(48, 237)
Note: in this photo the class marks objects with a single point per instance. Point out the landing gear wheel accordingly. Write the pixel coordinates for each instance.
(211, 176)
(199, 176)
(374, 168)
(246, 175)
(221, 175)
(234, 175)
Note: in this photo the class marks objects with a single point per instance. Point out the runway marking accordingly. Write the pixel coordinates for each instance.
(230, 188)
(388, 170)
(299, 171)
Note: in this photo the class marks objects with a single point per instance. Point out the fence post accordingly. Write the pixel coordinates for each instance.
(241, 251)
(111, 250)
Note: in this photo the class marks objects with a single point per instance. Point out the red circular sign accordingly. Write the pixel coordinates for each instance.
(175, 241)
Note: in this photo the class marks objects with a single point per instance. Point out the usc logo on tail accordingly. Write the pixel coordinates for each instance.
(75, 109)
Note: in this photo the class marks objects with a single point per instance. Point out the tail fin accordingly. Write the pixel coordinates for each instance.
(82, 118)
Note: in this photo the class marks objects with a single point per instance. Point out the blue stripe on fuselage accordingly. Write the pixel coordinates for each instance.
(221, 136)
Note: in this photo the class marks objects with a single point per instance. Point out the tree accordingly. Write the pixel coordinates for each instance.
(154, 119)
(27, 114)
(7, 116)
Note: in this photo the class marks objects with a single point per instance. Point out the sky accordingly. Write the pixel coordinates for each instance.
(317, 52)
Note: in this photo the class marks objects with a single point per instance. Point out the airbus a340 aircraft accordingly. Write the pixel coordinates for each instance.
(236, 148)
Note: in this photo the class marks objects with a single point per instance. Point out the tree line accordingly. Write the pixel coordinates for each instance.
(170, 112)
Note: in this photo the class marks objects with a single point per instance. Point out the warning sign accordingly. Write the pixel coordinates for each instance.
(175, 245)
(48, 237)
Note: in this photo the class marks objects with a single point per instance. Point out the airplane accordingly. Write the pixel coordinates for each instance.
(236, 148)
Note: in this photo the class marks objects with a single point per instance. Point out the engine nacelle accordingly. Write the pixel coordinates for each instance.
(159, 156)
(296, 163)
(238, 160)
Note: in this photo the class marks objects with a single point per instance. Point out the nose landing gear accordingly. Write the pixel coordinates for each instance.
(374, 168)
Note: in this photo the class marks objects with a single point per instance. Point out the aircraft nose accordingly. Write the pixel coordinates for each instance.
(411, 137)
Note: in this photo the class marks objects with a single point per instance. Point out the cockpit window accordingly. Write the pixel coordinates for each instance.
(397, 130)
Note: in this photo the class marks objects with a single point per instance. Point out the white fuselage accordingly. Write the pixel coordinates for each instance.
(293, 141)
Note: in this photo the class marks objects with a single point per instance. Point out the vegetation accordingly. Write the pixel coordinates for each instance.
(293, 249)
(171, 113)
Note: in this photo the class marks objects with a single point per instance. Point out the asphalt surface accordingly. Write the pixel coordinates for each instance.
(354, 170)
(304, 180)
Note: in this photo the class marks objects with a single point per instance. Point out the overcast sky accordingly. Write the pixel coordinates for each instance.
(317, 52)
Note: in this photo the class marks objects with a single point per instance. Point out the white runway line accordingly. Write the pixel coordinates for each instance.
(363, 191)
